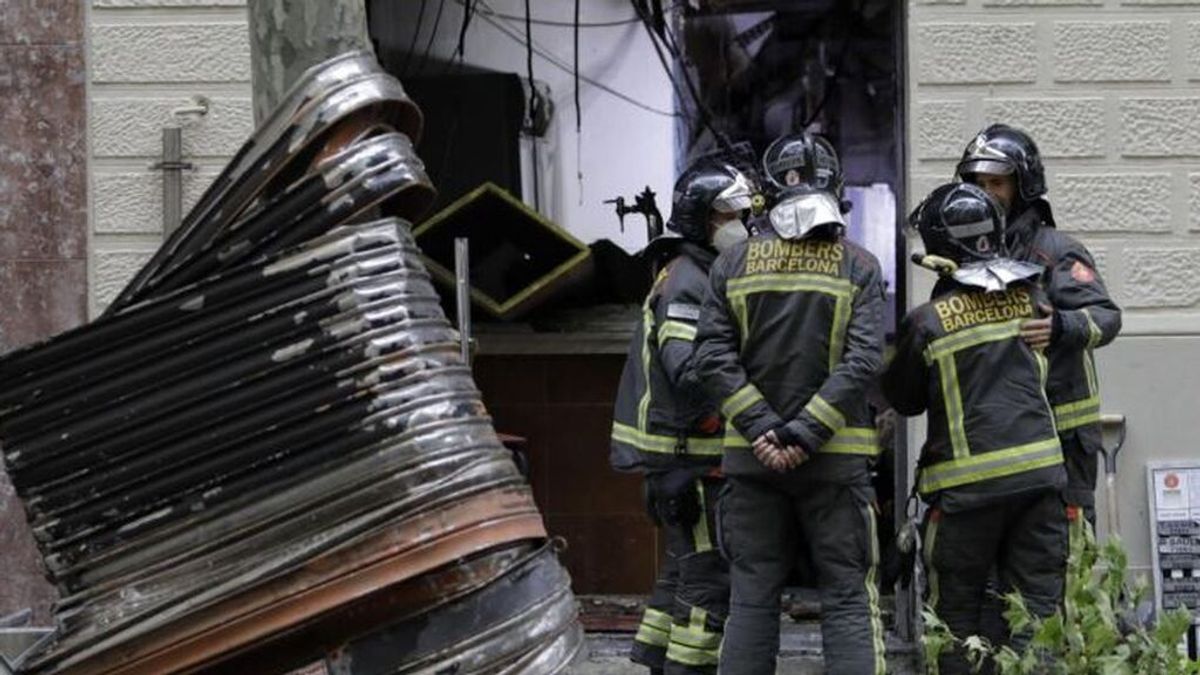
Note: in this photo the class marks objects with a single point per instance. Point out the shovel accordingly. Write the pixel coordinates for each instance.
(1110, 469)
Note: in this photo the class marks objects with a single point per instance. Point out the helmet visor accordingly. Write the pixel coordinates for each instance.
(992, 166)
(735, 198)
(968, 230)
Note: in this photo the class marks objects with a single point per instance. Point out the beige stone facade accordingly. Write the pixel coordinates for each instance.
(1110, 90)
(148, 59)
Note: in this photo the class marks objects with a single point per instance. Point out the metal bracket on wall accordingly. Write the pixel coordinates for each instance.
(172, 167)
(172, 164)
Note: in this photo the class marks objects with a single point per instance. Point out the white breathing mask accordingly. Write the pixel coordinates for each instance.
(728, 234)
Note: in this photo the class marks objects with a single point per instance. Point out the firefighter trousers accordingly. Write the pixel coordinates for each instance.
(682, 625)
(764, 527)
(1082, 471)
(1024, 539)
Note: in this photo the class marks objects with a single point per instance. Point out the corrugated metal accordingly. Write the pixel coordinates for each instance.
(272, 433)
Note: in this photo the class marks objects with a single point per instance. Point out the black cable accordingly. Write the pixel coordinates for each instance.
(706, 116)
(534, 105)
(460, 50)
(437, 21)
(563, 24)
(830, 83)
(412, 45)
(557, 63)
(578, 109)
(457, 56)
(661, 59)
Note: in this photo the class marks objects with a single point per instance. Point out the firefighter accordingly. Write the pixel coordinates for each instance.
(664, 427)
(991, 469)
(789, 341)
(1080, 315)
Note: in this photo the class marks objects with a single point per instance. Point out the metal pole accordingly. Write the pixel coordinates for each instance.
(172, 167)
(462, 288)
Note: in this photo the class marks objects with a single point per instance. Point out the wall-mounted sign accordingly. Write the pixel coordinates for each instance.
(1174, 492)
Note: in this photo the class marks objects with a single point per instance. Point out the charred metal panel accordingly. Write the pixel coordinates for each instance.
(269, 451)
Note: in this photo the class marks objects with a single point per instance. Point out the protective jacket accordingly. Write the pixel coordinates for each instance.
(1085, 318)
(661, 419)
(990, 427)
(792, 330)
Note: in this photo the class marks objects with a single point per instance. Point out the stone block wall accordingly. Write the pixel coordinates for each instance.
(1108, 88)
(148, 61)
(43, 224)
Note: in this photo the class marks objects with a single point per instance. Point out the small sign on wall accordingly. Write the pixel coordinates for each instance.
(1174, 492)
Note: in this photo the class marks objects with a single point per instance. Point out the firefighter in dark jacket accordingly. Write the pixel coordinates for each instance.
(991, 469)
(665, 427)
(789, 341)
(1081, 316)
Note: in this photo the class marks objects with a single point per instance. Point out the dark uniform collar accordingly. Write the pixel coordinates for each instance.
(1019, 231)
(701, 255)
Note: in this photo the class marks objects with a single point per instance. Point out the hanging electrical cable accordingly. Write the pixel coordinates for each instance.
(437, 22)
(702, 109)
(831, 79)
(578, 110)
(412, 45)
(535, 105)
(460, 50)
(558, 63)
(565, 24)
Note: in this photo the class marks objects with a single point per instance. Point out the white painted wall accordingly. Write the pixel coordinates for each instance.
(622, 148)
(149, 57)
(1108, 88)
(146, 59)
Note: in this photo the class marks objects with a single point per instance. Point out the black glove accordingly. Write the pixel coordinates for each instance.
(790, 434)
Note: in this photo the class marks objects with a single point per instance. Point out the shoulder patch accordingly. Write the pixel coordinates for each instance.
(685, 311)
(1082, 273)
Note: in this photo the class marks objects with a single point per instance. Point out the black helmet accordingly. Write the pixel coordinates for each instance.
(1001, 149)
(961, 222)
(705, 187)
(803, 162)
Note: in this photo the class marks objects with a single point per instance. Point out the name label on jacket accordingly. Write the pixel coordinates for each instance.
(965, 310)
(779, 256)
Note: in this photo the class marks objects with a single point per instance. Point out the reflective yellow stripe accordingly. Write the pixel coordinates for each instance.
(942, 351)
(1043, 375)
(623, 433)
(956, 342)
(878, 646)
(993, 464)
(837, 332)
(952, 396)
(853, 441)
(789, 283)
(931, 571)
(694, 644)
(1094, 332)
(1077, 413)
(655, 629)
(825, 413)
(1089, 368)
(700, 531)
(677, 330)
(740, 400)
(647, 328)
(738, 303)
(734, 438)
(847, 441)
(658, 619)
